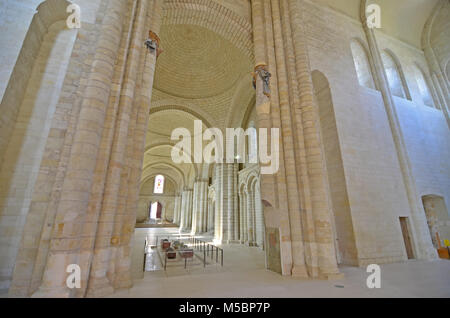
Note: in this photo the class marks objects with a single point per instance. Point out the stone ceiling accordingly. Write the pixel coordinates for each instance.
(197, 63)
(397, 16)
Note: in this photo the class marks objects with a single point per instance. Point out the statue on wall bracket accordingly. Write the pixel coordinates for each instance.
(264, 74)
(153, 43)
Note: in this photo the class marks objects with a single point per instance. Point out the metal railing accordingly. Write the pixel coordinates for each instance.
(208, 250)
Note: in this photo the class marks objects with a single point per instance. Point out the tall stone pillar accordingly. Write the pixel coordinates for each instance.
(242, 205)
(259, 218)
(211, 209)
(421, 237)
(186, 211)
(114, 200)
(200, 206)
(204, 225)
(67, 240)
(316, 222)
(218, 224)
(195, 209)
(250, 217)
(176, 217)
(226, 178)
(136, 145)
(184, 202)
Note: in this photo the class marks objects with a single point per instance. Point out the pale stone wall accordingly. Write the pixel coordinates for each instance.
(28, 138)
(375, 188)
(70, 187)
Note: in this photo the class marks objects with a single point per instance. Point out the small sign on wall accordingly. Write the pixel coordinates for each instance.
(447, 243)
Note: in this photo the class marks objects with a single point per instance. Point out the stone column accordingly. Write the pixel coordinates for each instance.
(218, 225)
(199, 209)
(204, 226)
(195, 209)
(190, 207)
(114, 199)
(229, 189)
(66, 240)
(260, 231)
(249, 210)
(320, 241)
(186, 211)
(184, 204)
(226, 199)
(137, 146)
(421, 238)
(241, 217)
(236, 220)
(176, 213)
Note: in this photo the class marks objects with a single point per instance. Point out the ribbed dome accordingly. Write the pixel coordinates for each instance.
(197, 63)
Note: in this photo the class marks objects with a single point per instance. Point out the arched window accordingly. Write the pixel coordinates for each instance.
(159, 184)
(424, 88)
(394, 75)
(362, 65)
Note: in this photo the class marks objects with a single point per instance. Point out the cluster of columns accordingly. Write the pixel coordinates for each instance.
(200, 212)
(193, 210)
(251, 218)
(90, 219)
(226, 223)
(296, 199)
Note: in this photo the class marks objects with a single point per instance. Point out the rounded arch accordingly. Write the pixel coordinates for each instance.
(424, 83)
(164, 105)
(166, 176)
(395, 74)
(363, 66)
(147, 170)
(171, 145)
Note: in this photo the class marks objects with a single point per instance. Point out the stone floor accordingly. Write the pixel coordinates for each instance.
(244, 275)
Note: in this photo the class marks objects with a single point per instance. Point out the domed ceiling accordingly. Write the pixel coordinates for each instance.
(197, 63)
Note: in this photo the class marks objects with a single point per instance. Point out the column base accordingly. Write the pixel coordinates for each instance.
(337, 276)
(299, 271)
(99, 287)
(60, 292)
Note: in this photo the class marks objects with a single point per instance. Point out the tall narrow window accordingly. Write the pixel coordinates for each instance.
(362, 65)
(424, 88)
(159, 184)
(394, 76)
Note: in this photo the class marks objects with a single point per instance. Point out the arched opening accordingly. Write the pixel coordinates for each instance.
(437, 218)
(29, 104)
(424, 86)
(340, 207)
(203, 70)
(395, 75)
(362, 64)
(155, 212)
